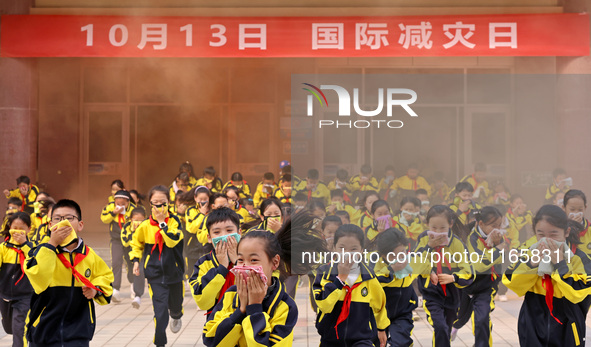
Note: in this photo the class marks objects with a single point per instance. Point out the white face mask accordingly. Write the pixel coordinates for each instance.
(412, 214)
(122, 207)
(575, 215)
(567, 181)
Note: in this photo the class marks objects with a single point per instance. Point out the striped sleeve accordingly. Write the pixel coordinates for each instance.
(327, 290)
(207, 281)
(225, 326)
(262, 330)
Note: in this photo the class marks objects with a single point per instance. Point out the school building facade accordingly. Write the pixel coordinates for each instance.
(73, 124)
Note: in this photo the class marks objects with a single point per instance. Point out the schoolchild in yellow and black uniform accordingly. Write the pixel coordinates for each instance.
(408, 220)
(477, 300)
(341, 182)
(479, 183)
(351, 302)
(15, 288)
(575, 204)
(236, 180)
(408, 184)
(257, 310)
(211, 277)
(39, 216)
(382, 219)
(211, 180)
(195, 218)
(13, 206)
(519, 219)
(188, 168)
(115, 215)
(25, 192)
(41, 234)
(463, 203)
(561, 183)
(232, 194)
(338, 203)
(362, 183)
(386, 182)
(138, 282)
(66, 276)
(314, 188)
(554, 284)
(499, 195)
(396, 272)
(285, 169)
(253, 214)
(158, 244)
(265, 189)
(272, 215)
(116, 186)
(180, 185)
(366, 218)
(283, 192)
(216, 200)
(441, 285)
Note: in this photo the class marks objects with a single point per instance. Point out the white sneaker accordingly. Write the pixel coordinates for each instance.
(176, 325)
(454, 333)
(132, 292)
(116, 296)
(136, 302)
(503, 298)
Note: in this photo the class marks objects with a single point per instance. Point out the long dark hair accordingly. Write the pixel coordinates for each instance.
(17, 215)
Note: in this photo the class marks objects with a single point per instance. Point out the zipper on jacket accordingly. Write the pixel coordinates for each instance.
(69, 302)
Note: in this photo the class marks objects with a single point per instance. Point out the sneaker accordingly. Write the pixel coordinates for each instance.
(503, 298)
(176, 325)
(454, 333)
(136, 302)
(116, 296)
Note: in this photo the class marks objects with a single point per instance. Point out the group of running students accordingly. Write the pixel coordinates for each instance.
(240, 251)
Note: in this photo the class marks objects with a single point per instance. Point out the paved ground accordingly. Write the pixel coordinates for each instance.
(121, 325)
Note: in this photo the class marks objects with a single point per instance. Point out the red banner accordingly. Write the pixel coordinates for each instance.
(560, 34)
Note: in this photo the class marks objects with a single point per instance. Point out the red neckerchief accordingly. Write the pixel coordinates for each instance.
(492, 268)
(414, 183)
(158, 237)
(346, 306)
(119, 219)
(24, 202)
(21, 259)
(77, 259)
(440, 267)
(549, 287)
(309, 195)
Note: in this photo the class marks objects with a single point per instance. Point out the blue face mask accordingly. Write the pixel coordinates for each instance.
(224, 238)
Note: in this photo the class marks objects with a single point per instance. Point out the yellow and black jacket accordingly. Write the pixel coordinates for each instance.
(260, 194)
(401, 298)
(36, 221)
(367, 312)
(488, 269)
(243, 189)
(354, 214)
(60, 313)
(115, 221)
(28, 200)
(162, 261)
(465, 217)
(570, 282)
(485, 190)
(357, 189)
(413, 230)
(280, 194)
(585, 237)
(268, 324)
(365, 220)
(321, 192)
(332, 185)
(207, 281)
(216, 184)
(463, 272)
(408, 186)
(553, 190)
(195, 221)
(372, 231)
(41, 234)
(13, 282)
(516, 225)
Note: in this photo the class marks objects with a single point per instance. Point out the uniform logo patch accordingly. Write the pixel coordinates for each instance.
(364, 292)
(87, 273)
(589, 246)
